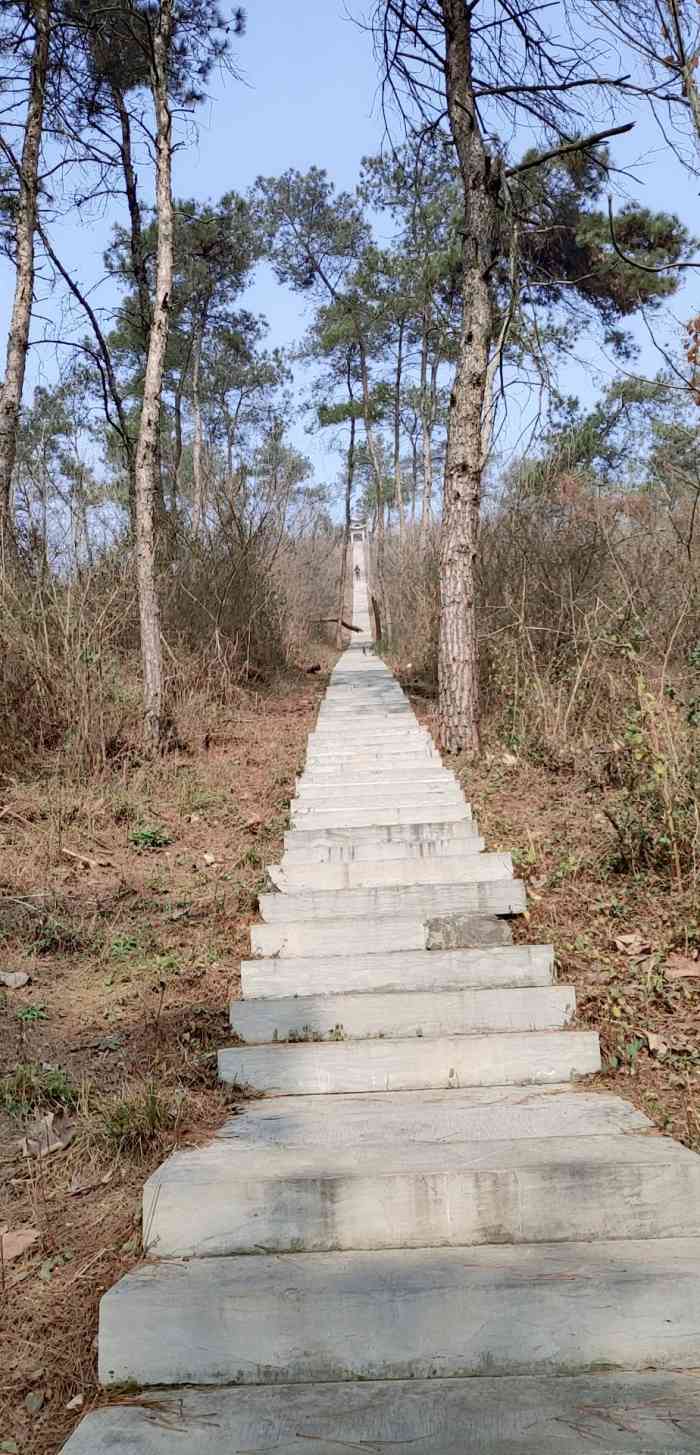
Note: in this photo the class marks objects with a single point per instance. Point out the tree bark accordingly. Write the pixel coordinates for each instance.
(138, 259)
(147, 471)
(458, 652)
(378, 486)
(197, 441)
(349, 478)
(398, 492)
(25, 226)
(426, 434)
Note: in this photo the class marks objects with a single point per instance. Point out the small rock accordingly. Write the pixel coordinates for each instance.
(209, 859)
(17, 1242)
(14, 979)
(34, 1401)
(467, 931)
(76, 1403)
(46, 1135)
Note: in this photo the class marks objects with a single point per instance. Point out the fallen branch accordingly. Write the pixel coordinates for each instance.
(321, 620)
(85, 859)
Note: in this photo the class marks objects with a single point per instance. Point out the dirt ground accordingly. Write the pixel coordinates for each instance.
(127, 902)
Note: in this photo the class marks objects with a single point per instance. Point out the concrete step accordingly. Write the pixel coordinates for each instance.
(338, 754)
(338, 937)
(317, 785)
(437, 970)
(339, 794)
(220, 1199)
(386, 934)
(422, 811)
(446, 1312)
(406, 1118)
(342, 736)
(416, 1064)
(351, 1017)
(422, 850)
(424, 831)
(365, 719)
(373, 768)
(394, 872)
(372, 761)
(496, 896)
(603, 1414)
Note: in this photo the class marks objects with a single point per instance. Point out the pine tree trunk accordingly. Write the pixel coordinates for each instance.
(379, 491)
(398, 491)
(136, 248)
(348, 518)
(426, 434)
(458, 653)
(25, 225)
(198, 502)
(147, 471)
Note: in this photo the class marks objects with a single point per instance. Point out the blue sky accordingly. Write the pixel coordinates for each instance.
(308, 95)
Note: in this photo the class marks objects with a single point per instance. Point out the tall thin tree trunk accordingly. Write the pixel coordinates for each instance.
(350, 475)
(147, 451)
(429, 416)
(398, 493)
(197, 441)
(25, 225)
(379, 490)
(426, 433)
(458, 652)
(136, 248)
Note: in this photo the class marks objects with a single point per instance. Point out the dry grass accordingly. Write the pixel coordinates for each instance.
(127, 899)
(622, 933)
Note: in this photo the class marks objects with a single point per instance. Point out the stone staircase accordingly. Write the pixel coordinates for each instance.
(425, 1193)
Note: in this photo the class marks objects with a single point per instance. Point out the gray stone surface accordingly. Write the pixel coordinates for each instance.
(338, 937)
(315, 1067)
(402, 1013)
(468, 868)
(423, 831)
(601, 1414)
(223, 1199)
(411, 970)
(466, 931)
(422, 811)
(497, 896)
(486, 1114)
(322, 852)
(448, 1312)
(354, 794)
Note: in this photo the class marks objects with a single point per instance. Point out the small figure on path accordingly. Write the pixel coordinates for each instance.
(358, 573)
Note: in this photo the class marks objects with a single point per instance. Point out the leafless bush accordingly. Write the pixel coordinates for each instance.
(590, 649)
(233, 613)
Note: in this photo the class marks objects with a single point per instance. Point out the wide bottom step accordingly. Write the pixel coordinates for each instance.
(601, 1414)
(297, 1318)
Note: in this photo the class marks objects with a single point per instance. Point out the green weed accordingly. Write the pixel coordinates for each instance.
(31, 1087)
(149, 836)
